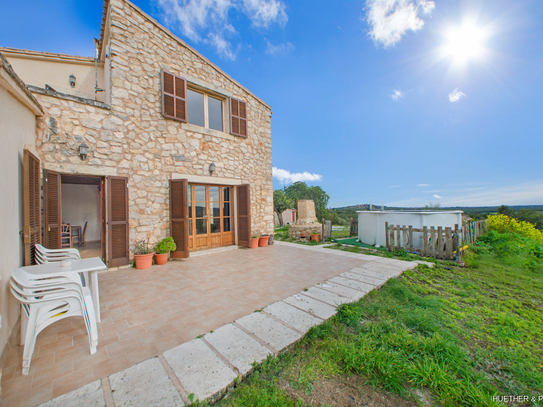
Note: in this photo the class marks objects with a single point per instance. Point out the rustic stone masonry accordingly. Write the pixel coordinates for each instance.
(307, 220)
(130, 137)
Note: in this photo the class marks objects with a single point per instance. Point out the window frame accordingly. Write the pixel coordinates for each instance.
(208, 94)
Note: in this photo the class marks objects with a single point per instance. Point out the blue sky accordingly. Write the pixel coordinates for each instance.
(404, 101)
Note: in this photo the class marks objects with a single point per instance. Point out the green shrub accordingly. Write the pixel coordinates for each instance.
(165, 245)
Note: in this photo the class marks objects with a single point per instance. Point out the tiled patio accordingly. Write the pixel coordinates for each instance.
(145, 313)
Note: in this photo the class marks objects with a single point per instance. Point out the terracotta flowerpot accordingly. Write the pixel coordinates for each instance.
(143, 261)
(316, 237)
(161, 259)
(263, 241)
(254, 243)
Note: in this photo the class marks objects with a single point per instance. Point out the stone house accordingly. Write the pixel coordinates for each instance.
(149, 139)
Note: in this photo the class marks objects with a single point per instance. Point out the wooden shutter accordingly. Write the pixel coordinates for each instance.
(244, 215)
(31, 206)
(179, 217)
(51, 209)
(117, 196)
(238, 117)
(174, 97)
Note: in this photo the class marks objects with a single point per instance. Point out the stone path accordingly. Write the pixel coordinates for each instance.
(206, 367)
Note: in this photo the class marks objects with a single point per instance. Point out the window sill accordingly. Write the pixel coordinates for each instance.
(209, 132)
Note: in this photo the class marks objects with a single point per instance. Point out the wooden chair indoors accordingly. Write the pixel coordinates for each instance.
(80, 236)
(65, 235)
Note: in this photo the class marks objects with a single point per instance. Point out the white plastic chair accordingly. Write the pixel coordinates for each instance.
(44, 255)
(49, 302)
(56, 254)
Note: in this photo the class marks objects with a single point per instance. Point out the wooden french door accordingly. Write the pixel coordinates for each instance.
(211, 216)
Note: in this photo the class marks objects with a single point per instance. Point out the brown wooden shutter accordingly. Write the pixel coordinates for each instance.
(174, 97)
(238, 117)
(31, 206)
(179, 217)
(51, 209)
(244, 215)
(117, 195)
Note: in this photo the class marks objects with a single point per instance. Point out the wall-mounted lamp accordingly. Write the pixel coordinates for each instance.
(83, 151)
(212, 168)
(72, 80)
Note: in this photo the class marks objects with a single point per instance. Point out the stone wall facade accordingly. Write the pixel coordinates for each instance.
(129, 136)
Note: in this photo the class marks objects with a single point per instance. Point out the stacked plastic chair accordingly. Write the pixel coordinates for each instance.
(48, 300)
(44, 255)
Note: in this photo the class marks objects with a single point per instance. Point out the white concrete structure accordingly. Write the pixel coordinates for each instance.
(371, 224)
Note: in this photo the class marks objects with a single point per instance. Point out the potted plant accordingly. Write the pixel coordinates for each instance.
(143, 254)
(254, 242)
(263, 241)
(162, 249)
(316, 236)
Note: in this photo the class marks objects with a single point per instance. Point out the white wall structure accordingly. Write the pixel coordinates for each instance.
(80, 204)
(371, 224)
(18, 111)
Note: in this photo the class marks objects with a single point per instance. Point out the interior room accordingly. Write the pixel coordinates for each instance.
(81, 214)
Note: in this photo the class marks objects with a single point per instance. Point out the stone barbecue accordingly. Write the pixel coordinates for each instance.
(307, 220)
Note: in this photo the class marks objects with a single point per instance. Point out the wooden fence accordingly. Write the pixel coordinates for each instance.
(441, 243)
(354, 228)
(472, 230)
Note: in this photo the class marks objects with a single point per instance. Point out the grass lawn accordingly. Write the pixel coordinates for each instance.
(449, 335)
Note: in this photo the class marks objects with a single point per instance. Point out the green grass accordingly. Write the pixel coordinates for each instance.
(463, 334)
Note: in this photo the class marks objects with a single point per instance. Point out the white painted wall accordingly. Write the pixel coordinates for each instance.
(17, 128)
(371, 224)
(80, 204)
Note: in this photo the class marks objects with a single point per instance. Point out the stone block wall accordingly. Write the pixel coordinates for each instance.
(131, 138)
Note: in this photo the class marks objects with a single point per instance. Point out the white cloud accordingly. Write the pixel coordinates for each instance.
(423, 185)
(262, 13)
(287, 177)
(391, 19)
(279, 49)
(455, 95)
(209, 20)
(437, 196)
(397, 94)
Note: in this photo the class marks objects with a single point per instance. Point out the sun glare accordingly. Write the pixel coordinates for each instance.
(465, 43)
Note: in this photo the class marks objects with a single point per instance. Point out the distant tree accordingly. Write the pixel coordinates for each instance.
(280, 203)
(300, 190)
(529, 215)
(506, 210)
(432, 207)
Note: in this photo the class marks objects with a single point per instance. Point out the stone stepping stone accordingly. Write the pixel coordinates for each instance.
(326, 296)
(377, 282)
(351, 293)
(271, 331)
(144, 384)
(90, 395)
(311, 305)
(199, 369)
(383, 268)
(239, 348)
(294, 317)
(370, 273)
(357, 285)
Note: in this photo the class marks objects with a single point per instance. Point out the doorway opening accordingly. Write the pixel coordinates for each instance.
(82, 214)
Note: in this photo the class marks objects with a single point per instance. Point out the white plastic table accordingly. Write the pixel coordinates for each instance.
(92, 266)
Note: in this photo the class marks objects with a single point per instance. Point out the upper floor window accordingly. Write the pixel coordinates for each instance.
(190, 104)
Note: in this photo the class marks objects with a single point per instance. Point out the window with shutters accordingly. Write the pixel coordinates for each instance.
(193, 104)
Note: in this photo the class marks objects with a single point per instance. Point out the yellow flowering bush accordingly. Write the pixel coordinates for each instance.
(505, 224)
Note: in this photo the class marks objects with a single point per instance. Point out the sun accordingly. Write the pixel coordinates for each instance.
(465, 43)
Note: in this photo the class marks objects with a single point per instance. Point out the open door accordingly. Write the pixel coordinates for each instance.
(51, 209)
(179, 217)
(31, 206)
(117, 196)
(244, 215)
